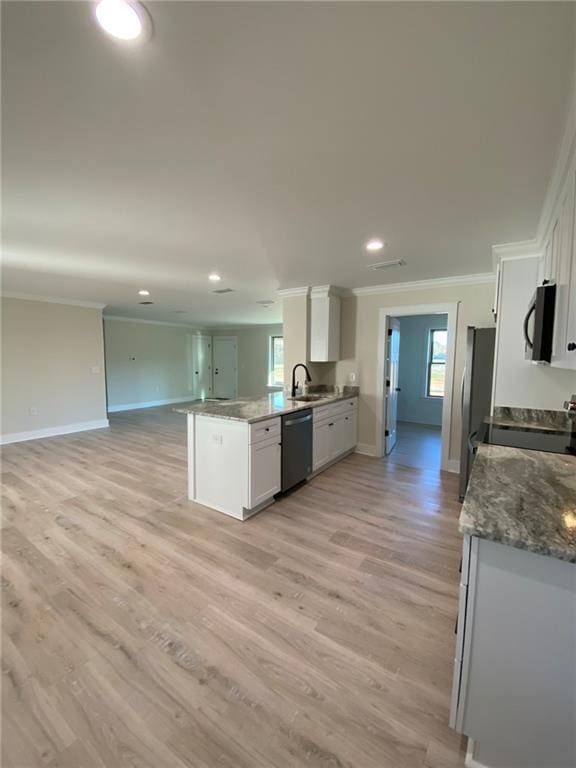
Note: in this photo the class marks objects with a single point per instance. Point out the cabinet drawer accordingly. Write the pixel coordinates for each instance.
(341, 407)
(264, 430)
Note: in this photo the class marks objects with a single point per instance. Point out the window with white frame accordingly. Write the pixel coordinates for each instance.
(276, 362)
(436, 373)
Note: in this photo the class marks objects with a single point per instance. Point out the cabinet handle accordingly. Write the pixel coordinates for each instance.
(267, 429)
(571, 346)
(331, 424)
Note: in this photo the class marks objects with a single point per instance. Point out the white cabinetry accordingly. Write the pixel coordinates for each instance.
(324, 325)
(514, 672)
(335, 431)
(558, 264)
(237, 466)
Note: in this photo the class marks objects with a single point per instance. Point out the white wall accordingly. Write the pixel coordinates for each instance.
(359, 344)
(519, 382)
(147, 363)
(413, 404)
(52, 365)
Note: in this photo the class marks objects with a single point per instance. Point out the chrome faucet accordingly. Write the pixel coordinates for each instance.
(294, 382)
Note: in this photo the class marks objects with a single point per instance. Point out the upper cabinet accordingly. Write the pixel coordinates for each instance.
(558, 264)
(324, 324)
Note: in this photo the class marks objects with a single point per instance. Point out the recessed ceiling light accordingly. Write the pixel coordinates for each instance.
(144, 292)
(374, 244)
(214, 277)
(124, 20)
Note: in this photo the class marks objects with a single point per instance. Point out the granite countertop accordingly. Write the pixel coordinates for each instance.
(257, 408)
(525, 499)
(531, 420)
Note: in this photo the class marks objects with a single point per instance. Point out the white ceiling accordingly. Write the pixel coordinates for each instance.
(268, 141)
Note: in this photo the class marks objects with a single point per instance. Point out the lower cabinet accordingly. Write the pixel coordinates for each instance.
(264, 471)
(335, 430)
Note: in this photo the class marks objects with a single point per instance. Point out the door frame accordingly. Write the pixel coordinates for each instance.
(216, 338)
(449, 309)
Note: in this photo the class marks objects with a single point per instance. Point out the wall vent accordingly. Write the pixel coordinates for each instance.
(224, 290)
(145, 302)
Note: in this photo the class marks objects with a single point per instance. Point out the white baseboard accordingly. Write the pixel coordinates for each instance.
(452, 465)
(366, 449)
(149, 404)
(67, 429)
(469, 761)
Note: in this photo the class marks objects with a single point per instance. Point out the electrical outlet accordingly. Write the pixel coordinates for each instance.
(95, 369)
(218, 438)
(33, 411)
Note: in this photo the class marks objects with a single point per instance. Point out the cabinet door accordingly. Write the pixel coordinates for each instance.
(265, 471)
(349, 432)
(321, 444)
(564, 355)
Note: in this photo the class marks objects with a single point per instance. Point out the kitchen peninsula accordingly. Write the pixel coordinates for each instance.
(235, 447)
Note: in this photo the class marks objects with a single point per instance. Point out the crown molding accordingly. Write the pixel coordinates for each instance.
(52, 300)
(124, 319)
(324, 291)
(437, 282)
(288, 293)
(522, 249)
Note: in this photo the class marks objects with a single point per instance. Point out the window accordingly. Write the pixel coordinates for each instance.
(436, 378)
(276, 363)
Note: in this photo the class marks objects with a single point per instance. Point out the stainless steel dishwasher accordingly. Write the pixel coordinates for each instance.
(296, 448)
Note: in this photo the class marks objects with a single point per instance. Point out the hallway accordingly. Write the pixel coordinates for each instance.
(418, 445)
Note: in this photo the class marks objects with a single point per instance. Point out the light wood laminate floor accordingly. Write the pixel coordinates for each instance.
(143, 631)
(418, 445)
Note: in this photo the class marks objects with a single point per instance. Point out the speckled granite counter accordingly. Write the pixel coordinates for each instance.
(525, 499)
(257, 409)
(531, 420)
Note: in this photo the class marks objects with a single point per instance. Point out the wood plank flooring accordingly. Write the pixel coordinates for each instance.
(417, 445)
(143, 631)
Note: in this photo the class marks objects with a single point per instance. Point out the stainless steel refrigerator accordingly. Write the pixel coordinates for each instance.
(476, 394)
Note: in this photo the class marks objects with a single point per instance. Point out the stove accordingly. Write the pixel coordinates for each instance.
(533, 439)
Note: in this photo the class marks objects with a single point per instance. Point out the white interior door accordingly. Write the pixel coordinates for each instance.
(225, 362)
(200, 378)
(391, 373)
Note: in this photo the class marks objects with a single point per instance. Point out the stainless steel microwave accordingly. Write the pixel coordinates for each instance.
(539, 324)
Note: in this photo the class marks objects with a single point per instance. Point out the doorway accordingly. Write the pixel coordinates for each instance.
(225, 365)
(200, 366)
(415, 383)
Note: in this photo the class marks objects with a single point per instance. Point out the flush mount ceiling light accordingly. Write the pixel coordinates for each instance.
(214, 277)
(127, 21)
(384, 264)
(143, 292)
(374, 244)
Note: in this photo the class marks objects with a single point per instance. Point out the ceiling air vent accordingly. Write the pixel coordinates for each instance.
(384, 264)
(224, 290)
(145, 302)
(265, 303)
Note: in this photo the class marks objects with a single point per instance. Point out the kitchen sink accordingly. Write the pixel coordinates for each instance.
(308, 398)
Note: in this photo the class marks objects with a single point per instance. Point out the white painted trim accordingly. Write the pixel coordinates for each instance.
(324, 291)
(67, 429)
(366, 449)
(451, 310)
(439, 282)
(150, 404)
(518, 250)
(52, 300)
(469, 761)
(123, 319)
(288, 293)
(452, 465)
